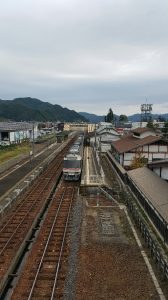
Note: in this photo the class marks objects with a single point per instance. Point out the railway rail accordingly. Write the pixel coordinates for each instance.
(44, 273)
(17, 227)
(11, 177)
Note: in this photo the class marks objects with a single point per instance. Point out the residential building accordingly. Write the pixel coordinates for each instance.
(160, 167)
(141, 141)
(104, 136)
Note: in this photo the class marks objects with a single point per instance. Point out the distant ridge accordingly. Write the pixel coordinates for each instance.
(32, 109)
(92, 118)
(133, 118)
(137, 117)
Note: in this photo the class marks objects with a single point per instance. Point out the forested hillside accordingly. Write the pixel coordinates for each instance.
(31, 109)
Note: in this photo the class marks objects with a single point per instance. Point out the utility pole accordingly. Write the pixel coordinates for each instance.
(95, 138)
(32, 144)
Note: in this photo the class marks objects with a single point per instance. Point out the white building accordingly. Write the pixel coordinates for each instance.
(104, 136)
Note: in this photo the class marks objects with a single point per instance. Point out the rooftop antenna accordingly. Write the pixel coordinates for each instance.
(146, 110)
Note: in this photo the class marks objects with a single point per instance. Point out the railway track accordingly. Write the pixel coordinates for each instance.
(44, 273)
(17, 228)
(114, 187)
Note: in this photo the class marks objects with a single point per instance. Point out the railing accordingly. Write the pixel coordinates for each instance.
(155, 250)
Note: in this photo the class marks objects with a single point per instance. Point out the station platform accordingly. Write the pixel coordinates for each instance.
(92, 174)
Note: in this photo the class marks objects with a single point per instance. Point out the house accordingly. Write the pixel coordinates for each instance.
(144, 141)
(104, 136)
(123, 127)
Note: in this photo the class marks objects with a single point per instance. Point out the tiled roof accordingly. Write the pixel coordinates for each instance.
(13, 126)
(130, 142)
(142, 129)
(153, 187)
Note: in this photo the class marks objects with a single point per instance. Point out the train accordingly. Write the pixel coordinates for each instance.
(73, 161)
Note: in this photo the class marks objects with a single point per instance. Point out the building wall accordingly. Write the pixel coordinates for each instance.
(104, 141)
(161, 172)
(77, 126)
(12, 137)
(105, 147)
(147, 133)
(164, 173)
(92, 127)
(138, 124)
(151, 152)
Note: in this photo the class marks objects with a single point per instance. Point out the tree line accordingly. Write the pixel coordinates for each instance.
(110, 117)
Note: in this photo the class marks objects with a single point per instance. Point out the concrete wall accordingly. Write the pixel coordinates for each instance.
(105, 147)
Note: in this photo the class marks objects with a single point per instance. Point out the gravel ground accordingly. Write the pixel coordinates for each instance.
(74, 246)
(110, 265)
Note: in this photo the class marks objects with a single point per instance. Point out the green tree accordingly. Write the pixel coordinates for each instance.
(123, 118)
(110, 116)
(138, 160)
(161, 119)
(150, 123)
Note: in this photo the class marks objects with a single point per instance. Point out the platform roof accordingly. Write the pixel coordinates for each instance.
(153, 187)
(158, 163)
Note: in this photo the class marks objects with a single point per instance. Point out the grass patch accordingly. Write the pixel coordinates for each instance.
(12, 151)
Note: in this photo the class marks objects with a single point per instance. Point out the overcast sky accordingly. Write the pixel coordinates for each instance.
(87, 55)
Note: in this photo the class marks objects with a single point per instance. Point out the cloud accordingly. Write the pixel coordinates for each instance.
(79, 53)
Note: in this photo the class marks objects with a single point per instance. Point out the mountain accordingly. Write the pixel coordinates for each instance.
(137, 117)
(133, 118)
(92, 118)
(31, 109)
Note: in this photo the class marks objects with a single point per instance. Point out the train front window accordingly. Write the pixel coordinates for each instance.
(68, 164)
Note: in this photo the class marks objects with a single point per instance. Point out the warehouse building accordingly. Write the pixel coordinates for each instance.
(16, 132)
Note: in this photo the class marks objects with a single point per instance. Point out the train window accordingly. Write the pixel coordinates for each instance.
(72, 164)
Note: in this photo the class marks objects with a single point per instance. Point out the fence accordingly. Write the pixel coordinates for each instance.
(155, 250)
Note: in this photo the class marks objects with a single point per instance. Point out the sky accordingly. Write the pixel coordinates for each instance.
(86, 55)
